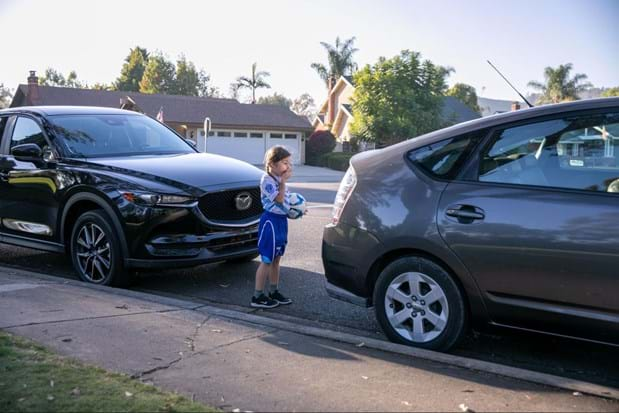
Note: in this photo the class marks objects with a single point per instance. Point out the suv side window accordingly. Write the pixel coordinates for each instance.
(3, 121)
(27, 131)
(573, 152)
(444, 159)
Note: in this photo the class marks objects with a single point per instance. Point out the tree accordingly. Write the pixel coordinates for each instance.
(558, 86)
(275, 99)
(398, 98)
(102, 86)
(192, 82)
(465, 94)
(187, 82)
(5, 96)
(613, 91)
(132, 70)
(255, 82)
(52, 77)
(304, 106)
(234, 91)
(339, 57)
(159, 76)
(204, 87)
(319, 143)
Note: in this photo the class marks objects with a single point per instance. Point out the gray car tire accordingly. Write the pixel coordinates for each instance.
(394, 304)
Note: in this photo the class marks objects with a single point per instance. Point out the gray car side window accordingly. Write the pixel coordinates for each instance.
(573, 152)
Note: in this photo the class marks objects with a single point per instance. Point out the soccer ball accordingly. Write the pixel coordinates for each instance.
(297, 206)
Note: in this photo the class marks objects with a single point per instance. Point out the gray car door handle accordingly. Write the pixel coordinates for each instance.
(465, 212)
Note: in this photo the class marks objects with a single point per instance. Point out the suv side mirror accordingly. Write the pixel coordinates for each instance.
(27, 150)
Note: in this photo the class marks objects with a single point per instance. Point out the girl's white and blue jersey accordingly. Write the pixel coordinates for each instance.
(273, 229)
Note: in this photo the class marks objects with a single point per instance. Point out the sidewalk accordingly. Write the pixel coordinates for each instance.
(307, 173)
(210, 354)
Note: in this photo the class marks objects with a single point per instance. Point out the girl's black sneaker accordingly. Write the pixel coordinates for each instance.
(263, 302)
(277, 296)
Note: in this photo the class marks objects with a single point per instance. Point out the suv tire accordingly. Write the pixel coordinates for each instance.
(95, 250)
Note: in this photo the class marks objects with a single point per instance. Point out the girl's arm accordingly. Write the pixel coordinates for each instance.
(282, 187)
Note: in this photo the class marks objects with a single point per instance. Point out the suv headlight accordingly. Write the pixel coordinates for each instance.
(343, 193)
(151, 199)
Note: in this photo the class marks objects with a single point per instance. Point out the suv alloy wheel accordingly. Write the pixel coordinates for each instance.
(95, 250)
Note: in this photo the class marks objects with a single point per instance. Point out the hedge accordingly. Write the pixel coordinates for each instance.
(334, 160)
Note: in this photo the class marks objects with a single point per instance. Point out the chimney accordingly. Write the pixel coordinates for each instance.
(331, 109)
(33, 97)
(515, 106)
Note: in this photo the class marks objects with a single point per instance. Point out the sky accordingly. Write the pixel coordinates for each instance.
(225, 37)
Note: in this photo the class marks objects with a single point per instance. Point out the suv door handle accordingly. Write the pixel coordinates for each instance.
(465, 213)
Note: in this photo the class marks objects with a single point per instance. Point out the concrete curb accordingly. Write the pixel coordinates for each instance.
(367, 342)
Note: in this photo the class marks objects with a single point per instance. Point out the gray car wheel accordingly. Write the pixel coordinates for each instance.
(418, 303)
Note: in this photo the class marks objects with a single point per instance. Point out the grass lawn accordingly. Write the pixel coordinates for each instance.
(32, 379)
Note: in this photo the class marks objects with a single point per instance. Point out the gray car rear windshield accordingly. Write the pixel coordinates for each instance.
(115, 135)
(443, 159)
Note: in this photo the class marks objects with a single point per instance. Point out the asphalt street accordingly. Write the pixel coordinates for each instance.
(231, 285)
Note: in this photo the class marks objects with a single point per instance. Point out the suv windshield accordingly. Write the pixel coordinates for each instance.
(115, 135)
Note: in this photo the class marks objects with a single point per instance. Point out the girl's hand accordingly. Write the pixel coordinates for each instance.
(286, 175)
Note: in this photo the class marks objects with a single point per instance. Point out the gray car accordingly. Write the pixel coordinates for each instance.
(510, 220)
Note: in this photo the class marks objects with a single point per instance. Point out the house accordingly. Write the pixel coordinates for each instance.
(493, 106)
(238, 130)
(335, 114)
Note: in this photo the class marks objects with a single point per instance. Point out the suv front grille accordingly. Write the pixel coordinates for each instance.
(221, 206)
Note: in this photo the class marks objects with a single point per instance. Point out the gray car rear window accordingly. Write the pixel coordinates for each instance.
(444, 159)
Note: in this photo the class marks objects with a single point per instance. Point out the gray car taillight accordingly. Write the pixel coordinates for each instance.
(343, 193)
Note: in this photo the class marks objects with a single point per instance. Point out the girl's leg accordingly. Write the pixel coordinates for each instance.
(274, 273)
(274, 281)
(262, 273)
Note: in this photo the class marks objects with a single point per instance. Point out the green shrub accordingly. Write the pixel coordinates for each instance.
(335, 160)
(319, 143)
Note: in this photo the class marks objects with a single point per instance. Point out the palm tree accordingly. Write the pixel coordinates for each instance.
(340, 60)
(559, 87)
(256, 82)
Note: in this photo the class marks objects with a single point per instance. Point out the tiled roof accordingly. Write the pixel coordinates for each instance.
(456, 111)
(178, 109)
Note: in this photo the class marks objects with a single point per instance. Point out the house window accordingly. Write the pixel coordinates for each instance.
(223, 134)
(240, 134)
(276, 136)
(256, 135)
(211, 133)
(290, 136)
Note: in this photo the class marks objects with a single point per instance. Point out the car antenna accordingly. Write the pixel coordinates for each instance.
(519, 94)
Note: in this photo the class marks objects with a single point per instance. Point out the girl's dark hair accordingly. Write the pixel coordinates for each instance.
(274, 155)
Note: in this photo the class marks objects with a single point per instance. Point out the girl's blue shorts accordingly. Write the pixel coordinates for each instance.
(272, 236)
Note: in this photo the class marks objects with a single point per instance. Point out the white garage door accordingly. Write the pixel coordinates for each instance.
(250, 146)
(292, 142)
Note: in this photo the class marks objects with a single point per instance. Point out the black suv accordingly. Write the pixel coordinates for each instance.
(120, 191)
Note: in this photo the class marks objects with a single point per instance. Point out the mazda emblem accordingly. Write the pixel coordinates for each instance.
(243, 201)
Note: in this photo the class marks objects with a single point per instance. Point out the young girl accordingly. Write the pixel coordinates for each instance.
(273, 229)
